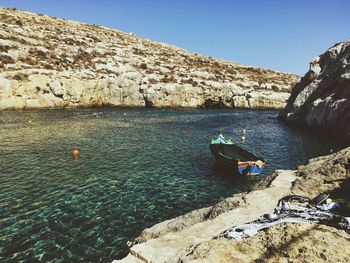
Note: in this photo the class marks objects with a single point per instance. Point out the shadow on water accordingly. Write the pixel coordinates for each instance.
(230, 177)
(338, 142)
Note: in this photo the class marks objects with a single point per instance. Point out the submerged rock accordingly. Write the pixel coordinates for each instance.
(322, 98)
(49, 62)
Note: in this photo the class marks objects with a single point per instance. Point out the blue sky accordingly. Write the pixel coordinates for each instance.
(282, 35)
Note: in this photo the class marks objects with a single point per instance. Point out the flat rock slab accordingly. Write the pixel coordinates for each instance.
(170, 246)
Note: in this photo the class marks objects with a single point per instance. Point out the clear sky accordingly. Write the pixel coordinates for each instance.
(277, 34)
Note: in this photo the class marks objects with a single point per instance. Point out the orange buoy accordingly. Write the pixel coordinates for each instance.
(75, 153)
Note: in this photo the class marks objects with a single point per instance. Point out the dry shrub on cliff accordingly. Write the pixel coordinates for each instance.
(250, 71)
(16, 39)
(106, 54)
(138, 51)
(275, 88)
(94, 27)
(4, 48)
(189, 81)
(52, 56)
(5, 60)
(93, 38)
(73, 42)
(168, 79)
(28, 60)
(143, 66)
(198, 62)
(20, 77)
(19, 23)
(82, 57)
(48, 66)
(8, 19)
(152, 81)
(231, 71)
(149, 71)
(216, 71)
(37, 53)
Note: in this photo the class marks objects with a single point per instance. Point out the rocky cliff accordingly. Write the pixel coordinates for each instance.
(190, 238)
(322, 98)
(49, 62)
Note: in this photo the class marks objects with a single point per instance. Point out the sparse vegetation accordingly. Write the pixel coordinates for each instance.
(143, 66)
(16, 39)
(48, 66)
(93, 38)
(231, 71)
(138, 51)
(73, 42)
(168, 79)
(20, 77)
(153, 81)
(28, 60)
(4, 48)
(275, 88)
(5, 60)
(189, 81)
(56, 44)
(37, 53)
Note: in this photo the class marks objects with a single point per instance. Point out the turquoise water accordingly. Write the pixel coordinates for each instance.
(137, 167)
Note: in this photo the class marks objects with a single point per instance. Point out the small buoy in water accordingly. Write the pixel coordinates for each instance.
(124, 113)
(243, 138)
(75, 153)
(243, 131)
(30, 121)
(189, 130)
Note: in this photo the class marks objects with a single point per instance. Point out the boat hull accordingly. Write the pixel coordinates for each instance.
(237, 160)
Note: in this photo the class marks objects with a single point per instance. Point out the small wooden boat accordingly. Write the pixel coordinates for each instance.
(239, 160)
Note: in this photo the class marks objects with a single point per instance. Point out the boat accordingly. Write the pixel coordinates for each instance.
(237, 159)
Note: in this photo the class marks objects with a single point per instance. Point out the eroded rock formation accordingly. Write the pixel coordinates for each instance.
(49, 62)
(322, 98)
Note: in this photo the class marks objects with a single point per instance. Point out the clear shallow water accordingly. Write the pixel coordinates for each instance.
(137, 167)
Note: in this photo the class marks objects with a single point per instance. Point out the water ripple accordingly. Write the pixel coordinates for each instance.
(137, 167)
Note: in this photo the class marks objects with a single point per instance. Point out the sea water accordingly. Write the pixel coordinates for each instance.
(137, 167)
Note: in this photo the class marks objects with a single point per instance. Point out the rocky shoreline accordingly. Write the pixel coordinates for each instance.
(322, 99)
(47, 62)
(43, 66)
(189, 238)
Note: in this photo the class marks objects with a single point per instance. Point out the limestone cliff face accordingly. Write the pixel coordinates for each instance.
(48, 62)
(322, 98)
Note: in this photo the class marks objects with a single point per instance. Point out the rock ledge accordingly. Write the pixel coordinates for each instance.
(189, 238)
